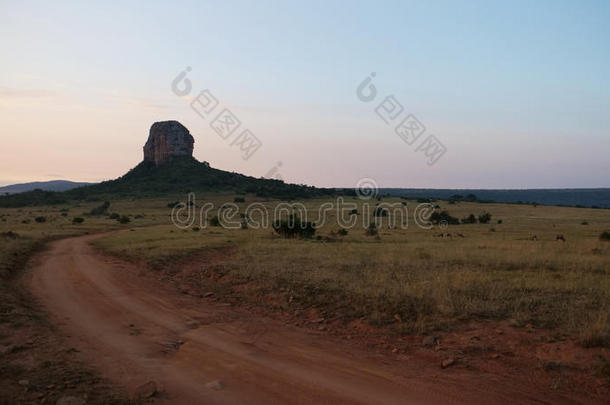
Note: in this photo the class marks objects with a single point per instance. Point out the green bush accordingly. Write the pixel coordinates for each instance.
(124, 219)
(342, 232)
(605, 236)
(371, 230)
(380, 212)
(294, 227)
(40, 219)
(78, 220)
(485, 218)
(214, 221)
(101, 210)
(239, 200)
(443, 217)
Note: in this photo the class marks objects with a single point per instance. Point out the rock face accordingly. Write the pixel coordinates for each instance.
(167, 139)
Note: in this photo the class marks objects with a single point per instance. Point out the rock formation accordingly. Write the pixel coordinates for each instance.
(167, 139)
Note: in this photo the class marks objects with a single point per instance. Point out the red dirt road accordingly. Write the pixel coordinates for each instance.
(135, 329)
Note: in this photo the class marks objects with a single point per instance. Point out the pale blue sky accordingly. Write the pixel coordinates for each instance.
(518, 92)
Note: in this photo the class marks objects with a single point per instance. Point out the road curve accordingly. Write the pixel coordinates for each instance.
(135, 329)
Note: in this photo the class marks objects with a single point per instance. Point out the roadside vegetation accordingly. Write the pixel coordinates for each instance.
(36, 363)
(510, 266)
(413, 280)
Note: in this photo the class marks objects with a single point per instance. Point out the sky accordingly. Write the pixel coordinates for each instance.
(514, 94)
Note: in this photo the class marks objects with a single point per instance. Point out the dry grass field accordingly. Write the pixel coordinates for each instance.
(515, 270)
(407, 282)
(36, 362)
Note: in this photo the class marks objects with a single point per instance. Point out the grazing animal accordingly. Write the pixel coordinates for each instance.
(560, 237)
(534, 237)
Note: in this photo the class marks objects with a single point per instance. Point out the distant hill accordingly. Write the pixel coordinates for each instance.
(181, 174)
(53, 185)
(577, 197)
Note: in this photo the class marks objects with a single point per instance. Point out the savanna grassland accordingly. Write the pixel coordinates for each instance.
(36, 361)
(408, 282)
(512, 268)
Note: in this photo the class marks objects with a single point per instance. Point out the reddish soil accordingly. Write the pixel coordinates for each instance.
(136, 328)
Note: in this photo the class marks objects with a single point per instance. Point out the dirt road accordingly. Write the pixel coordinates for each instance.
(135, 329)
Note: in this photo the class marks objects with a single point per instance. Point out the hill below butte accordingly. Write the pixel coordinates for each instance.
(168, 168)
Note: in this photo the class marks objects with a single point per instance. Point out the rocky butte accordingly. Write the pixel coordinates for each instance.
(167, 139)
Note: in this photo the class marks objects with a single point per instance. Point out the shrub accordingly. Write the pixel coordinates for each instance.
(40, 219)
(114, 215)
(499, 221)
(605, 236)
(381, 212)
(239, 200)
(172, 204)
(78, 220)
(214, 221)
(485, 218)
(244, 224)
(470, 219)
(64, 214)
(101, 210)
(294, 227)
(9, 235)
(342, 232)
(443, 216)
(124, 219)
(195, 229)
(584, 223)
(354, 212)
(371, 230)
